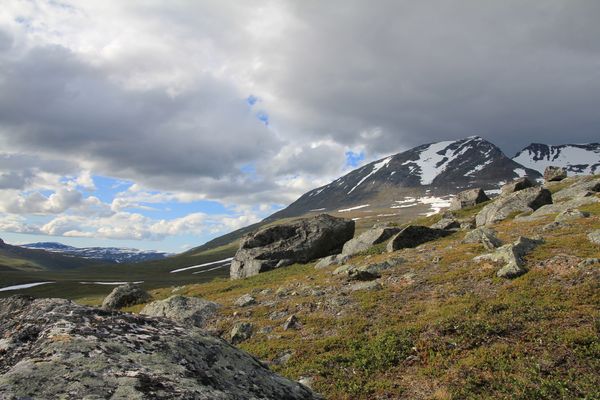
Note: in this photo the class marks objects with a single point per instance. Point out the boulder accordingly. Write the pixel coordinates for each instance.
(292, 323)
(468, 198)
(512, 256)
(594, 236)
(414, 235)
(125, 296)
(571, 214)
(525, 200)
(553, 174)
(331, 260)
(191, 311)
(245, 300)
(299, 241)
(367, 286)
(62, 350)
(516, 185)
(485, 236)
(447, 223)
(369, 238)
(241, 332)
(364, 272)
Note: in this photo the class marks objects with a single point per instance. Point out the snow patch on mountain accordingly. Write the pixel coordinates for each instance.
(578, 159)
(354, 208)
(108, 254)
(376, 167)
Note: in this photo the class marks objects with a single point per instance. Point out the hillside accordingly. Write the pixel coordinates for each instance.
(437, 324)
(581, 159)
(105, 254)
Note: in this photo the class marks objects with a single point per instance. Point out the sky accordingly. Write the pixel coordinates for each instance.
(160, 125)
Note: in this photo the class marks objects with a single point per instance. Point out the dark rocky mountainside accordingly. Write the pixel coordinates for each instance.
(104, 254)
(576, 158)
(52, 348)
(437, 168)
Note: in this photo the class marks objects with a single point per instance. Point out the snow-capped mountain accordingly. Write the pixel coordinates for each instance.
(105, 254)
(576, 158)
(440, 168)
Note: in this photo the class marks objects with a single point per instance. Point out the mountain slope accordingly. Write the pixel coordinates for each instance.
(106, 254)
(431, 169)
(580, 159)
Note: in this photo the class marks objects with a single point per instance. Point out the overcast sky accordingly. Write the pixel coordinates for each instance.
(160, 124)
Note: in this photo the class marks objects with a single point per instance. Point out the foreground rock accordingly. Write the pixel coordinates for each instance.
(299, 241)
(368, 239)
(553, 174)
(484, 236)
(468, 198)
(525, 200)
(191, 311)
(58, 349)
(125, 296)
(512, 255)
(415, 235)
(516, 185)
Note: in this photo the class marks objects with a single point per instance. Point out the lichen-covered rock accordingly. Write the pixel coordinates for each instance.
(414, 235)
(331, 260)
(525, 200)
(299, 241)
(594, 236)
(241, 332)
(580, 188)
(367, 286)
(367, 239)
(512, 255)
(245, 300)
(125, 296)
(516, 185)
(553, 174)
(185, 310)
(292, 323)
(485, 236)
(571, 214)
(61, 350)
(468, 198)
(447, 223)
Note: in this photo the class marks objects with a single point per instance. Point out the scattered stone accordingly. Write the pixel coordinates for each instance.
(79, 352)
(307, 381)
(553, 174)
(284, 358)
(436, 259)
(468, 198)
(191, 311)
(446, 223)
(277, 315)
(292, 323)
(282, 292)
(265, 330)
(553, 225)
(588, 262)
(594, 236)
(485, 236)
(125, 296)
(241, 332)
(468, 225)
(266, 292)
(512, 255)
(414, 235)
(525, 200)
(570, 214)
(362, 274)
(561, 207)
(369, 286)
(299, 241)
(368, 239)
(516, 185)
(245, 300)
(331, 260)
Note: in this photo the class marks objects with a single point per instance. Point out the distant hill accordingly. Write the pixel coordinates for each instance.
(105, 254)
(578, 159)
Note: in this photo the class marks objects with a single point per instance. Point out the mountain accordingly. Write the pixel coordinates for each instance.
(434, 169)
(105, 254)
(578, 159)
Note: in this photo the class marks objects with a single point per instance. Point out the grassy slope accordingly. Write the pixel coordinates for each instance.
(438, 330)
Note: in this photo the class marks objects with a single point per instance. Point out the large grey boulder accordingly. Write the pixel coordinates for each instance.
(525, 200)
(415, 235)
(191, 311)
(512, 256)
(553, 174)
(468, 198)
(125, 296)
(516, 185)
(62, 350)
(485, 236)
(367, 239)
(300, 241)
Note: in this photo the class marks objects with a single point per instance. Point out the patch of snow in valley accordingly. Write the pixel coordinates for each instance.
(209, 269)
(318, 209)
(376, 167)
(111, 283)
(354, 208)
(437, 204)
(202, 265)
(23, 286)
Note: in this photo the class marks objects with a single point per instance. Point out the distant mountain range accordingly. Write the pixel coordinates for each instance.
(105, 254)
(576, 158)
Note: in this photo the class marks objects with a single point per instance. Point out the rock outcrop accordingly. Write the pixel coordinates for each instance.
(55, 349)
(516, 185)
(414, 235)
(125, 296)
(468, 198)
(525, 200)
(483, 235)
(300, 241)
(512, 255)
(553, 174)
(369, 238)
(191, 311)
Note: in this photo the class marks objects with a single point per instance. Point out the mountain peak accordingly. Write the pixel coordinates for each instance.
(576, 158)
